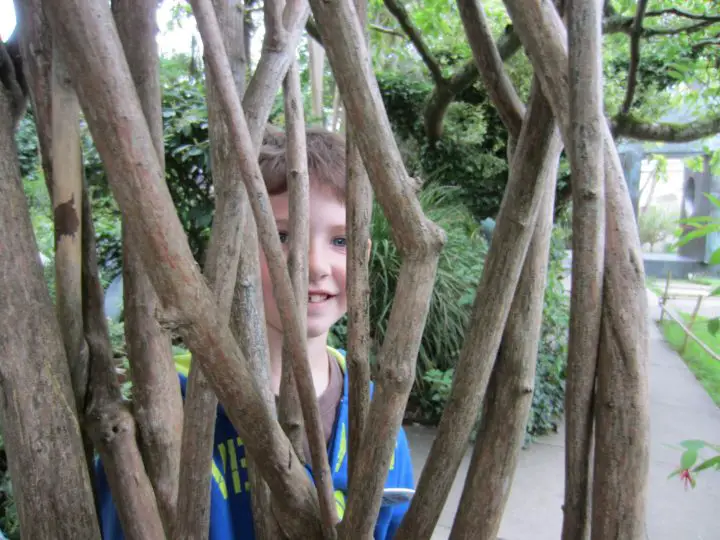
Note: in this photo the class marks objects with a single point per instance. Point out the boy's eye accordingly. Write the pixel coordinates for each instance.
(283, 237)
(340, 241)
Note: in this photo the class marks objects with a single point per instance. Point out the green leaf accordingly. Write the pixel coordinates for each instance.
(715, 257)
(688, 458)
(708, 463)
(715, 292)
(693, 444)
(714, 326)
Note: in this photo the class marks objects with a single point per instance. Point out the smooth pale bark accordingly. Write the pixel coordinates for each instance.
(40, 428)
(87, 35)
(621, 403)
(66, 195)
(298, 183)
(359, 215)
(419, 242)
(515, 226)
(221, 272)
(317, 69)
(157, 403)
(586, 165)
(510, 389)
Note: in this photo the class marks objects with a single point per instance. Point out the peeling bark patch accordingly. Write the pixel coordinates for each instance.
(66, 220)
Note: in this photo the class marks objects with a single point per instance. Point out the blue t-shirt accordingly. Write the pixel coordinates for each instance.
(230, 507)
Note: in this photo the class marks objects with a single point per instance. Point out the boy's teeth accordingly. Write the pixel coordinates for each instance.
(317, 298)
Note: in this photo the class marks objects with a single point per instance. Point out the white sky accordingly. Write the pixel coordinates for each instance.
(177, 40)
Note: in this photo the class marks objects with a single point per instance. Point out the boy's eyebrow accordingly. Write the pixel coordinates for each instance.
(282, 222)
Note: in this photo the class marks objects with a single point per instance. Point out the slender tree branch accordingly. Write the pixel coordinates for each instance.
(289, 411)
(156, 392)
(682, 13)
(359, 215)
(510, 390)
(221, 272)
(413, 33)
(634, 55)
(275, 33)
(271, 70)
(67, 196)
(629, 126)
(36, 50)
(385, 30)
(293, 329)
(688, 29)
(586, 124)
(490, 66)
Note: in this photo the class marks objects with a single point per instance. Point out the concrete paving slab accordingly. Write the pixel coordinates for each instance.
(680, 409)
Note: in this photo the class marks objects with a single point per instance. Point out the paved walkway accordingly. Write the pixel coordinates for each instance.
(679, 409)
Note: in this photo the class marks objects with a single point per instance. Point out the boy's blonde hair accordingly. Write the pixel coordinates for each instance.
(325, 155)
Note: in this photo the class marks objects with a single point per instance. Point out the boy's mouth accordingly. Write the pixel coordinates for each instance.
(317, 298)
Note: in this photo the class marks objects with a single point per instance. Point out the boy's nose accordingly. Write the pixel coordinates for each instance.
(318, 266)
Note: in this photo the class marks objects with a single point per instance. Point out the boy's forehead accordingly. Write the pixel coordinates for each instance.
(325, 205)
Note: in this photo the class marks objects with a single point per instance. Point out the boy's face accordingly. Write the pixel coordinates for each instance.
(327, 261)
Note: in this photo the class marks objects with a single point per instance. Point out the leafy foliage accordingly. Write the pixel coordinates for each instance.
(692, 455)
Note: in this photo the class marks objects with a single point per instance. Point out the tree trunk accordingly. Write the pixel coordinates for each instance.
(157, 403)
(40, 428)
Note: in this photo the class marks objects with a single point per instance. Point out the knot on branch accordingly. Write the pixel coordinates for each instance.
(108, 422)
(171, 320)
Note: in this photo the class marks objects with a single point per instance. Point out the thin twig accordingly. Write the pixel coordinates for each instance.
(634, 56)
(289, 411)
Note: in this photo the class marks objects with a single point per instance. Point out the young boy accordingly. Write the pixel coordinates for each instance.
(230, 509)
